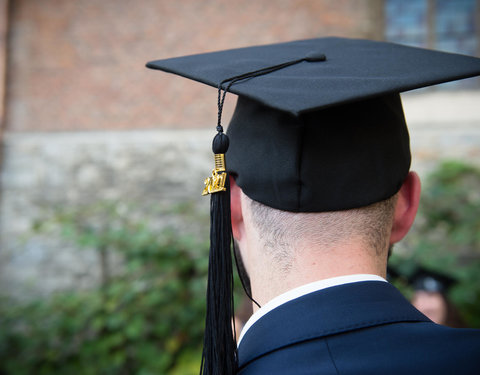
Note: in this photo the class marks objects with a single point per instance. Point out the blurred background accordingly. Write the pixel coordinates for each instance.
(103, 232)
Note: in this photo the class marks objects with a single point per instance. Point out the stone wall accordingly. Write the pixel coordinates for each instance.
(443, 124)
(47, 172)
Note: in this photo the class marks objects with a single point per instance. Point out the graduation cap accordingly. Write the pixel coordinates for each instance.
(318, 126)
(431, 281)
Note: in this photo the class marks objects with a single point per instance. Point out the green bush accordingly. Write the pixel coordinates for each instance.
(145, 318)
(446, 237)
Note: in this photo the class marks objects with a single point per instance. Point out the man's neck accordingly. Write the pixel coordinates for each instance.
(310, 265)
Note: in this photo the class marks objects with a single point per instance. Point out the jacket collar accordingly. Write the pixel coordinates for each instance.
(327, 312)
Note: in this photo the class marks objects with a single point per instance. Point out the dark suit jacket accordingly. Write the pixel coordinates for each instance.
(358, 328)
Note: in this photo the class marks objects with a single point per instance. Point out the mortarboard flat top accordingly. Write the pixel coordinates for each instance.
(354, 69)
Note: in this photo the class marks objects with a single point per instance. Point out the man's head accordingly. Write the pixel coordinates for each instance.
(319, 127)
(286, 247)
(315, 183)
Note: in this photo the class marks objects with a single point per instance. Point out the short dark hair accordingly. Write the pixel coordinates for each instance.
(281, 230)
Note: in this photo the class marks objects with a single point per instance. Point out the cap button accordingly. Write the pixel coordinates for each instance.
(315, 56)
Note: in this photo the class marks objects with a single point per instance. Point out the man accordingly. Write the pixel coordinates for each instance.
(320, 189)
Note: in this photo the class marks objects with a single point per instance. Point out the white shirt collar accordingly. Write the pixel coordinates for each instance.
(303, 290)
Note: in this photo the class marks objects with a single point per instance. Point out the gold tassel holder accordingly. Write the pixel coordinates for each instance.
(216, 182)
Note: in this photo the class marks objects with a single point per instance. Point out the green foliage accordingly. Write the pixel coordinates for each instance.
(145, 319)
(447, 234)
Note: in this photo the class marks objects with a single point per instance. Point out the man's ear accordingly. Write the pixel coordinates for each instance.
(236, 209)
(406, 207)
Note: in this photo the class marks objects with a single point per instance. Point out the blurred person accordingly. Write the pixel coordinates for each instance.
(320, 188)
(431, 297)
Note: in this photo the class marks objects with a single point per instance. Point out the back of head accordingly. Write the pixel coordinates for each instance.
(282, 234)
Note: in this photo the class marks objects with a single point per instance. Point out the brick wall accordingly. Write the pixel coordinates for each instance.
(3, 58)
(79, 65)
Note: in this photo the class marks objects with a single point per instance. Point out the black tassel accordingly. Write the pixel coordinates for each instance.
(219, 349)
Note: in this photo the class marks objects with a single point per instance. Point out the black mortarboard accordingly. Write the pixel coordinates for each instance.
(431, 281)
(318, 126)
